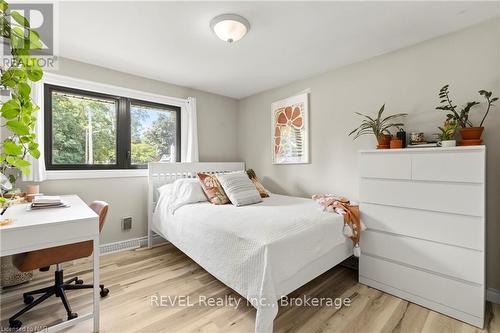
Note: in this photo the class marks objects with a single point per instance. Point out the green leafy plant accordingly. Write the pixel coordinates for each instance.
(462, 116)
(448, 130)
(377, 126)
(489, 100)
(18, 113)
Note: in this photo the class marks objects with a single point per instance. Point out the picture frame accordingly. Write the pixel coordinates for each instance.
(290, 130)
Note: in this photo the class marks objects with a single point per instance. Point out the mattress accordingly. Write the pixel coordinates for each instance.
(257, 249)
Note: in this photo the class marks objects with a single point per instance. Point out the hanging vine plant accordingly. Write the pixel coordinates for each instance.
(18, 111)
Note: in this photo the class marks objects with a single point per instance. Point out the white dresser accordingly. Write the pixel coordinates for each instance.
(425, 241)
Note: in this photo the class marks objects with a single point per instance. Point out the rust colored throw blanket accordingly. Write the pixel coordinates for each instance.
(350, 211)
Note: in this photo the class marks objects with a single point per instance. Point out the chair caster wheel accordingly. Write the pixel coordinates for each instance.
(79, 281)
(15, 324)
(104, 292)
(28, 299)
(72, 315)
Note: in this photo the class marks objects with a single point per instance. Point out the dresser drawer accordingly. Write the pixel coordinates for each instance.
(435, 196)
(385, 165)
(440, 258)
(464, 297)
(462, 230)
(451, 166)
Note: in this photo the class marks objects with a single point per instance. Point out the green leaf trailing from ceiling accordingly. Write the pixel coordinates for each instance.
(11, 148)
(18, 127)
(20, 19)
(11, 109)
(18, 112)
(24, 90)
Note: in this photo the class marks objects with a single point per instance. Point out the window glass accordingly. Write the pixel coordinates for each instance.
(83, 129)
(153, 134)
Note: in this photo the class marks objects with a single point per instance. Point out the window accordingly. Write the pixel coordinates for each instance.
(83, 129)
(88, 130)
(153, 133)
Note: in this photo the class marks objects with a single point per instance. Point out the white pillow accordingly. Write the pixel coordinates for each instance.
(181, 192)
(239, 188)
(188, 190)
(165, 189)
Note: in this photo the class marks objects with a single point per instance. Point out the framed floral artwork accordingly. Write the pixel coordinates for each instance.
(290, 130)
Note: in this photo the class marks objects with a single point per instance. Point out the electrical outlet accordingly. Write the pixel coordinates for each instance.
(126, 223)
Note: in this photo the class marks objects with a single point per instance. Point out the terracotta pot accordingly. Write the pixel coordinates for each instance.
(471, 133)
(470, 142)
(384, 141)
(396, 143)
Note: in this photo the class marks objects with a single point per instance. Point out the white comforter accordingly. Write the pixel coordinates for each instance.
(252, 249)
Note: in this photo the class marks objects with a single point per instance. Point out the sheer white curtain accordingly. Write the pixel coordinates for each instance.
(38, 172)
(189, 131)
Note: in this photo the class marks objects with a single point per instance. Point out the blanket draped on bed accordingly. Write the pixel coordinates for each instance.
(349, 210)
(261, 251)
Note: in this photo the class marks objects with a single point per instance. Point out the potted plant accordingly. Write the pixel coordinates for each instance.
(378, 126)
(447, 135)
(470, 134)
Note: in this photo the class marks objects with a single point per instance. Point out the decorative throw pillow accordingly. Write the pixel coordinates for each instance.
(213, 189)
(239, 188)
(260, 188)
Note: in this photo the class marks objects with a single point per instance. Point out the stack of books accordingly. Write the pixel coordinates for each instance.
(47, 201)
(422, 144)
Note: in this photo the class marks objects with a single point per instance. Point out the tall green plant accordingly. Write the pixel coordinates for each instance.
(489, 100)
(18, 113)
(460, 116)
(377, 126)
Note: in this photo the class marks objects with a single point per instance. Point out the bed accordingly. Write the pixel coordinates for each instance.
(262, 251)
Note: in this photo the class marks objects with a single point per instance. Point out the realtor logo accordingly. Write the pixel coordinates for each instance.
(40, 16)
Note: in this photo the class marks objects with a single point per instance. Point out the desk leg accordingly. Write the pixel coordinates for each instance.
(96, 284)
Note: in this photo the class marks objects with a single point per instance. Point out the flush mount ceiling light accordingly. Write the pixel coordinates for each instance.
(230, 27)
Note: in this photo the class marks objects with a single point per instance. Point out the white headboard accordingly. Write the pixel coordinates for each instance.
(161, 173)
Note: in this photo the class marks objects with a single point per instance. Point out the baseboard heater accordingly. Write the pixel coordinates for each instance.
(129, 244)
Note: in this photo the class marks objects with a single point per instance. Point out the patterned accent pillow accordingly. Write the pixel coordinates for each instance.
(260, 188)
(213, 189)
(239, 188)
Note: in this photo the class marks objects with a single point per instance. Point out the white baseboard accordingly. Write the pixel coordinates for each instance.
(129, 244)
(493, 295)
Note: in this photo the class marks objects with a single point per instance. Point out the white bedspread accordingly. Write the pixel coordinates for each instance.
(253, 249)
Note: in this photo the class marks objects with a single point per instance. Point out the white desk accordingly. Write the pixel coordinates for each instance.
(44, 228)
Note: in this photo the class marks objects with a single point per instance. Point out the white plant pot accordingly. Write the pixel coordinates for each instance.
(448, 143)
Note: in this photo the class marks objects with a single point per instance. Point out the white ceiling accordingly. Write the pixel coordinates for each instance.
(172, 41)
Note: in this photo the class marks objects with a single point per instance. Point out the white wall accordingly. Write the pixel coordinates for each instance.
(127, 196)
(408, 81)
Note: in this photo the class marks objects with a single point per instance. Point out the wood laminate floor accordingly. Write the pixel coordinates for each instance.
(136, 277)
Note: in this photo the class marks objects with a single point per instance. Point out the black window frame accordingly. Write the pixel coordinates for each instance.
(123, 129)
